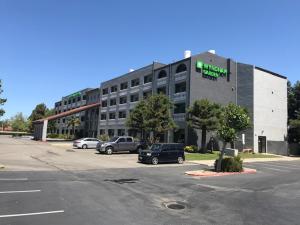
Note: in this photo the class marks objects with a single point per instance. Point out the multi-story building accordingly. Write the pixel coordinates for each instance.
(72, 101)
(206, 75)
(92, 115)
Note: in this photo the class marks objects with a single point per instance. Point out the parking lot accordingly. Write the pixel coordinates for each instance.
(46, 189)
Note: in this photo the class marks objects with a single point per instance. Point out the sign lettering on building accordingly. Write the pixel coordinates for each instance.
(210, 71)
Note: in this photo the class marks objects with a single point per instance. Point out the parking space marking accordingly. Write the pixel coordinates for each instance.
(12, 192)
(31, 214)
(276, 165)
(13, 179)
(287, 165)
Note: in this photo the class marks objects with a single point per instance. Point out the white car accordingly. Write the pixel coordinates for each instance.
(86, 143)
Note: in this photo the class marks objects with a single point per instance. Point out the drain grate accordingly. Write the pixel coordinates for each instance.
(175, 205)
(123, 181)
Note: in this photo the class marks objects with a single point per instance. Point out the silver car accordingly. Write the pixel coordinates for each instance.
(86, 143)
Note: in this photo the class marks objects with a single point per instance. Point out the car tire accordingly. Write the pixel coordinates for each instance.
(154, 160)
(109, 150)
(180, 160)
(138, 150)
(84, 146)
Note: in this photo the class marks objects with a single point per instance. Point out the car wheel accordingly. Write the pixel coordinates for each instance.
(154, 160)
(180, 160)
(84, 146)
(109, 151)
(138, 150)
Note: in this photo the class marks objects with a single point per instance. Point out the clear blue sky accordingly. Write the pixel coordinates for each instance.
(51, 48)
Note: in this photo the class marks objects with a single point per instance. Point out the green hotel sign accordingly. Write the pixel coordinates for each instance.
(76, 94)
(210, 71)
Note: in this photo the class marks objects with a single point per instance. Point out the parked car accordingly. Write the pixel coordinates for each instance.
(86, 143)
(163, 153)
(120, 144)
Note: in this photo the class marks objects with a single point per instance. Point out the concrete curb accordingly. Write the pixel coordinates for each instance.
(207, 173)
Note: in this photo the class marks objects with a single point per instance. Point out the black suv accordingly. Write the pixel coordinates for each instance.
(163, 153)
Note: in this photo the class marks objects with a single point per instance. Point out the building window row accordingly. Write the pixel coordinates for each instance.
(112, 115)
(111, 133)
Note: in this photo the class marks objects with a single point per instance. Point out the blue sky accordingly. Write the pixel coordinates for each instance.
(51, 48)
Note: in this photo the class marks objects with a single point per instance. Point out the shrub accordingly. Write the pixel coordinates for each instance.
(191, 148)
(52, 135)
(103, 137)
(231, 164)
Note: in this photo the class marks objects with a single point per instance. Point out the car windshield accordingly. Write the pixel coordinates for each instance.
(155, 147)
(113, 139)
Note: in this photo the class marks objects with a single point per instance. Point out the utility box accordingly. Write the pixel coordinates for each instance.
(231, 152)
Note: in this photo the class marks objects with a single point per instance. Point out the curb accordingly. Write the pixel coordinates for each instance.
(205, 173)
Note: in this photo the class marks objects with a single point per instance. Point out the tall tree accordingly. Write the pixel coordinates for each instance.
(19, 123)
(205, 116)
(234, 120)
(2, 100)
(4, 124)
(158, 117)
(73, 122)
(39, 112)
(136, 119)
(52, 123)
(152, 115)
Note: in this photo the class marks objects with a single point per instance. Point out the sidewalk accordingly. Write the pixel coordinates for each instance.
(281, 158)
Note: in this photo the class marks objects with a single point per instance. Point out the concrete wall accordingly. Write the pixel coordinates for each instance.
(270, 109)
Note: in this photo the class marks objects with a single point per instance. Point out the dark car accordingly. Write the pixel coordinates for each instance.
(163, 153)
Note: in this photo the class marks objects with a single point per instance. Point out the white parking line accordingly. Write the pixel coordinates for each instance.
(268, 168)
(279, 166)
(287, 165)
(13, 179)
(31, 214)
(12, 192)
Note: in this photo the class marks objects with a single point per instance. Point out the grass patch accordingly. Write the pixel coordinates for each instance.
(215, 155)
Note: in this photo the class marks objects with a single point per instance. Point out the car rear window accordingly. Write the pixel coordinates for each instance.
(129, 139)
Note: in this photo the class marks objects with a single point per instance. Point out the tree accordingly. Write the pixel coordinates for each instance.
(4, 124)
(52, 123)
(152, 115)
(136, 119)
(205, 116)
(19, 123)
(39, 112)
(73, 122)
(234, 120)
(2, 100)
(294, 112)
(158, 117)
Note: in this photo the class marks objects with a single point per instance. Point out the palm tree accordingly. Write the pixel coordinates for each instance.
(73, 122)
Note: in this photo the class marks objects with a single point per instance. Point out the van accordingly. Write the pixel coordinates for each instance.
(159, 153)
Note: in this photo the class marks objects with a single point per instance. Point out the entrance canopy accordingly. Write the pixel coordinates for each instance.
(40, 126)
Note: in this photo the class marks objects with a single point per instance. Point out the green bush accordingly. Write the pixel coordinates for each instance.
(53, 135)
(231, 164)
(191, 148)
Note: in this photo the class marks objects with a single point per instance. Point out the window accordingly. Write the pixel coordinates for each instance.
(64, 120)
(123, 100)
(122, 114)
(179, 108)
(121, 132)
(129, 139)
(78, 98)
(147, 79)
(105, 91)
(112, 116)
(113, 101)
(84, 97)
(135, 82)
(162, 74)
(65, 103)
(180, 87)
(104, 103)
(82, 119)
(69, 102)
(162, 90)
(124, 86)
(134, 98)
(181, 68)
(113, 88)
(103, 116)
(147, 94)
(111, 132)
(102, 131)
